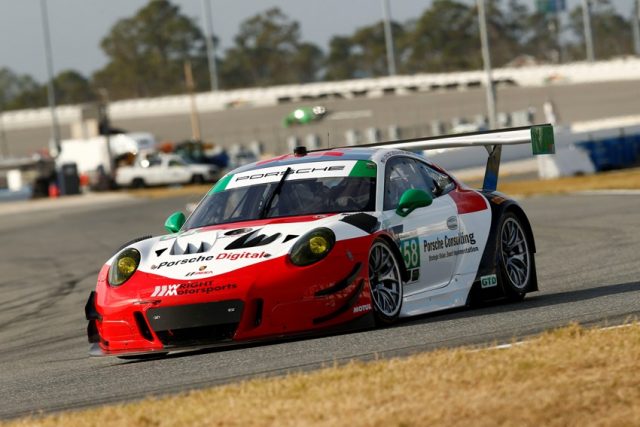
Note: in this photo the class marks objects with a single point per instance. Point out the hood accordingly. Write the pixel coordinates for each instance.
(209, 251)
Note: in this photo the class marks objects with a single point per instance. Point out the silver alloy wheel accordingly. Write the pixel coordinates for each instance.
(385, 280)
(515, 253)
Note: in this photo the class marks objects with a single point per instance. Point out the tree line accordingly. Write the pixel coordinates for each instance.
(146, 52)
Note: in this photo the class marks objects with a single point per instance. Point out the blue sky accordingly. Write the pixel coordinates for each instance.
(77, 26)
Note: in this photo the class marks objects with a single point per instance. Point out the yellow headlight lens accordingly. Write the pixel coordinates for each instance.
(312, 247)
(127, 266)
(318, 245)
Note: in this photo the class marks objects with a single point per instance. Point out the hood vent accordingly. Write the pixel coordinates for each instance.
(190, 248)
(252, 240)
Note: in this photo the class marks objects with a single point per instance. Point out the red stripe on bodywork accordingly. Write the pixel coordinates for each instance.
(468, 201)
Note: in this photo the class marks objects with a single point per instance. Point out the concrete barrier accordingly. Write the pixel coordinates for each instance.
(541, 75)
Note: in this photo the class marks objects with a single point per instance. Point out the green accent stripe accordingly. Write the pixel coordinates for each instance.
(542, 140)
(364, 169)
(221, 185)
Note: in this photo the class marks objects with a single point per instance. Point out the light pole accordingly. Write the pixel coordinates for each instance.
(486, 59)
(3, 135)
(211, 55)
(635, 22)
(51, 95)
(588, 35)
(388, 37)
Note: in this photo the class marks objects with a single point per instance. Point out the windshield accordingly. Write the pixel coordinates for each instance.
(296, 197)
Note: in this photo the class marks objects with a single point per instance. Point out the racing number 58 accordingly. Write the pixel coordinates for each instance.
(411, 253)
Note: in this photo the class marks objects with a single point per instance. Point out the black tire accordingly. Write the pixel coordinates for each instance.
(197, 179)
(385, 283)
(515, 259)
(138, 183)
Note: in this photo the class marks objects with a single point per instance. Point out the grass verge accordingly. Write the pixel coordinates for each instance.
(628, 179)
(570, 376)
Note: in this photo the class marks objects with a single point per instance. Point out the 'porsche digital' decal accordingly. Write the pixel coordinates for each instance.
(242, 255)
(182, 262)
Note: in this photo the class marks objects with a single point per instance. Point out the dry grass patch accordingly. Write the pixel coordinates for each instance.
(571, 376)
(625, 180)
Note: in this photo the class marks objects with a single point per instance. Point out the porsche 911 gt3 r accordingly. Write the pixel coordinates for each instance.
(312, 242)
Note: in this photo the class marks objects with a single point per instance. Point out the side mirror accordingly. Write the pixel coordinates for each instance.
(413, 199)
(174, 223)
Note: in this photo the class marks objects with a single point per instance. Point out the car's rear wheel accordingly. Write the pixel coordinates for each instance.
(516, 258)
(197, 179)
(385, 280)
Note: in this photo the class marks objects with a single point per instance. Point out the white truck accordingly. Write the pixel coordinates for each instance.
(164, 169)
(91, 155)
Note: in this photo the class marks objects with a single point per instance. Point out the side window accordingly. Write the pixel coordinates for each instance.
(440, 183)
(402, 173)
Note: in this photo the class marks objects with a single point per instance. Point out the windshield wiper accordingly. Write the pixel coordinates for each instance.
(267, 205)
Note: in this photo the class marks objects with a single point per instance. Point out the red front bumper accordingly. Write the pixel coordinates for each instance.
(270, 299)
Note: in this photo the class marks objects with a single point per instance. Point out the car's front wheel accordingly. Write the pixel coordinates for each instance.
(385, 280)
(515, 258)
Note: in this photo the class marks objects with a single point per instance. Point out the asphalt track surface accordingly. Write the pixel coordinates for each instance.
(588, 272)
(413, 113)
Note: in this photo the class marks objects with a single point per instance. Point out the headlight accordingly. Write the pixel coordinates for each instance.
(123, 267)
(312, 247)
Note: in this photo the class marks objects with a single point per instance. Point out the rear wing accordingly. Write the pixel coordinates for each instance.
(539, 136)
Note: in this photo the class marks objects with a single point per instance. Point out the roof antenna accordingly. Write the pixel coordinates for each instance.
(328, 140)
(300, 151)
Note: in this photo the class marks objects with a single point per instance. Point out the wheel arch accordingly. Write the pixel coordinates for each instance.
(131, 242)
(500, 205)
